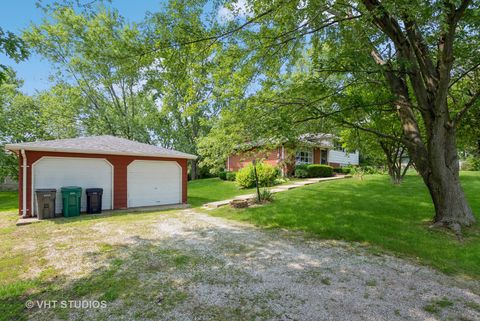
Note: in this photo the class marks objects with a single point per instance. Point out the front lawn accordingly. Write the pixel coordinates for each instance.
(8, 201)
(376, 213)
(144, 266)
(208, 190)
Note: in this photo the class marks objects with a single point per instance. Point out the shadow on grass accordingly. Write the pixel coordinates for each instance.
(373, 211)
(207, 280)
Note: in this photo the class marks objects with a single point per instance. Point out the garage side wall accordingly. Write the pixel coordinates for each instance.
(120, 164)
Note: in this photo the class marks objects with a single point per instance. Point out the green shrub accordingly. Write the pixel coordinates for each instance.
(317, 170)
(245, 177)
(342, 170)
(266, 196)
(280, 180)
(301, 171)
(222, 175)
(267, 174)
(367, 170)
(471, 164)
(231, 176)
(313, 170)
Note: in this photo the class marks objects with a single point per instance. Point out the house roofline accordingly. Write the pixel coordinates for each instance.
(18, 147)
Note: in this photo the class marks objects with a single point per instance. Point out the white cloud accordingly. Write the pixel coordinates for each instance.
(238, 10)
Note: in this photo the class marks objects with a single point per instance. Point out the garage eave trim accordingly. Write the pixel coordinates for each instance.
(18, 147)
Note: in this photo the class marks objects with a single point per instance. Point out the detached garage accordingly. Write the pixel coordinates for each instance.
(131, 174)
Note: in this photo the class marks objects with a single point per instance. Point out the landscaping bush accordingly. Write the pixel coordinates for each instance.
(342, 170)
(222, 175)
(267, 174)
(301, 171)
(317, 170)
(313, 170)
(266, 196)
(245, 177)
(231, 176)
(471, 164)
(280, 180)
(367, 170)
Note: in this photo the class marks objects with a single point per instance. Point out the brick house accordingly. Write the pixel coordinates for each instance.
(309, 149)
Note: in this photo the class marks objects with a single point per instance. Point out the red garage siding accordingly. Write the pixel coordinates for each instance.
(119, 163)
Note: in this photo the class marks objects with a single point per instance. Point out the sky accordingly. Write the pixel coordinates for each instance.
(17, 15)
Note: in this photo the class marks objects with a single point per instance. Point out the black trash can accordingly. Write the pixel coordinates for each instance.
(94, 200)
(45, 203)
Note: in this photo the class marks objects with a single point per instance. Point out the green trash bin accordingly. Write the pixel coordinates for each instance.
(71, 196)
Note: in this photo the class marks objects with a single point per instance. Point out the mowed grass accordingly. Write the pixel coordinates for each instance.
(207, 190)
(374, 212)
(8, 201)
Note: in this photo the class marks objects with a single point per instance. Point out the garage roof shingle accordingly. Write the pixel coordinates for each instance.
(109, 145)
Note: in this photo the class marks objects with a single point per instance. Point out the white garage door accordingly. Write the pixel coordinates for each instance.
(154, 183)
(56, 172)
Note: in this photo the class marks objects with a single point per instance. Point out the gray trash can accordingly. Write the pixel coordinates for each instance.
(45, 203)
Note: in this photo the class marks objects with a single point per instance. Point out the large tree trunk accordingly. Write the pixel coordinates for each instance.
(451, 207)
(435, 156)
(440, 172)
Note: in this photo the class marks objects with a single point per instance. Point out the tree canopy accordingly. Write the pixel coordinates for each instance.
(401, 73)
(420, 56)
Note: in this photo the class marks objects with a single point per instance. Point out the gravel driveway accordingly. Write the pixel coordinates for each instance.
(227, 270)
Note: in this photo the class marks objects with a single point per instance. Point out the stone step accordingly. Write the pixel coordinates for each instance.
(217, 204)
(26, 221)
(245, 197)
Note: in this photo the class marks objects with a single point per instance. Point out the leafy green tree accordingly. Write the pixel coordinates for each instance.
(392, 153)
(12, 46)
(420, 52)
(469, 131)
(91, 49)
(62, 106)
(20, 121)
(189, 77)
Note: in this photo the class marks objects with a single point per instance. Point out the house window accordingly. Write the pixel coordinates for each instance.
(338, 147)
(304, 156)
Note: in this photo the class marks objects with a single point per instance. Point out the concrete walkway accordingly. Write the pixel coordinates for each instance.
(277, 189)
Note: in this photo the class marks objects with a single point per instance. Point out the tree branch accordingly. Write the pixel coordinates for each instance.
(463, 74)
(459, 116)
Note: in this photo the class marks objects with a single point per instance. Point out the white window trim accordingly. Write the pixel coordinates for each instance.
(308, 159)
